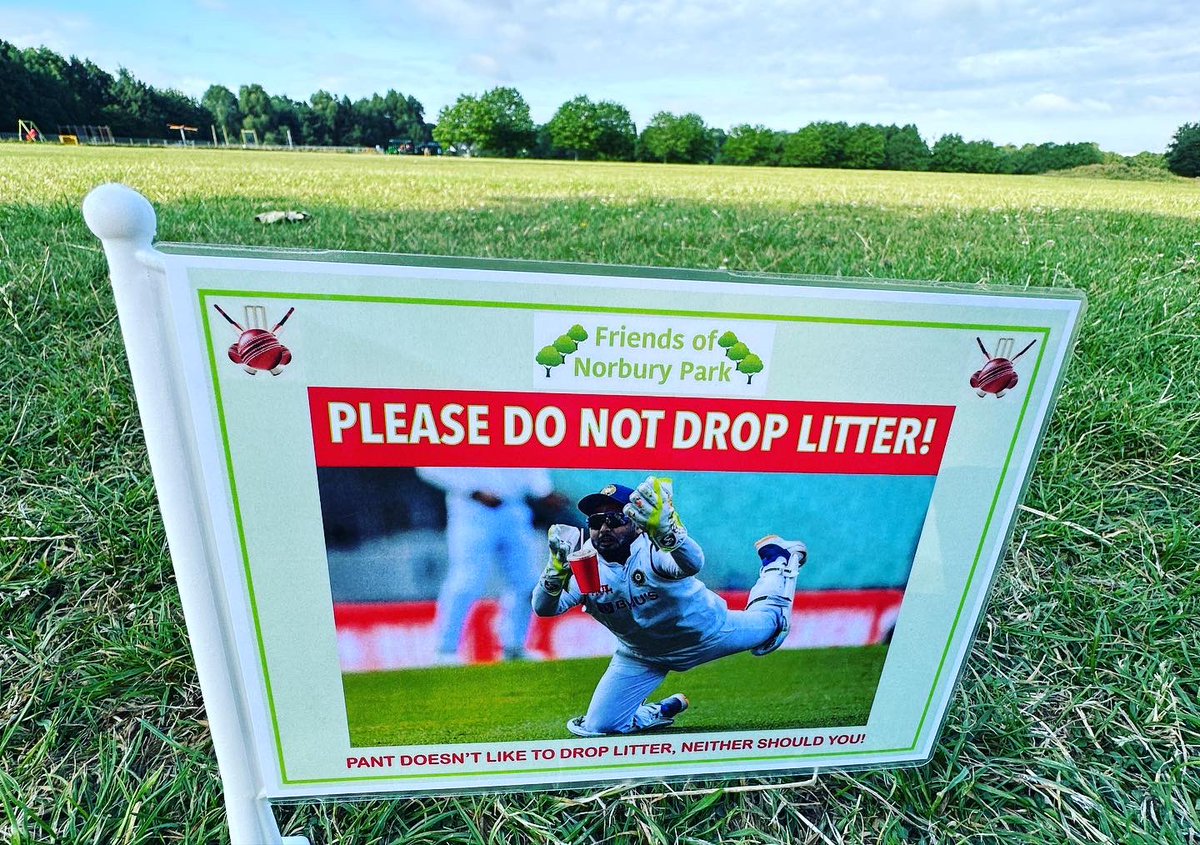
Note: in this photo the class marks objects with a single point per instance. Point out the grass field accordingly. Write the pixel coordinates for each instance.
(507, 702)
(1077, 720)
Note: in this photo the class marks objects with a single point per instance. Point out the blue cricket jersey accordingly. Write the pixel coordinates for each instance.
(657, 611)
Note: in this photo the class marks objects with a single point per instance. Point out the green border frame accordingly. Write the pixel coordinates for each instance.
(617, 271)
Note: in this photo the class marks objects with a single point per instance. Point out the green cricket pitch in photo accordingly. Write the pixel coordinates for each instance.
(508, 702)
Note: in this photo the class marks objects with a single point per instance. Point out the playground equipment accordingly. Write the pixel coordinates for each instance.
(84, 134)
(182, 129)
(29, 131)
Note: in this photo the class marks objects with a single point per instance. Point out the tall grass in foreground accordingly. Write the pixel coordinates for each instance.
(1077, 720)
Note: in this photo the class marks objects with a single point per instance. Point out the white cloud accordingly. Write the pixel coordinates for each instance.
(486, 66)
(64, 33)
(1182, 104)
(863, 82)
(1050, 103)
(1011, 70)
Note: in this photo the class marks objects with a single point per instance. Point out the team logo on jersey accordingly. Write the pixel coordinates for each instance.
(639, 578)
(621, 604)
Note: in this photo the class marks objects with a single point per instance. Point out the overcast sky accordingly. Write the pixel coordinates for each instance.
(1126, 75)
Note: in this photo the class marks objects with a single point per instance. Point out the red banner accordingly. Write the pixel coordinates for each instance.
(374, 427)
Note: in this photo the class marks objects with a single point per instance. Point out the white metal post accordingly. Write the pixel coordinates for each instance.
(124, 221)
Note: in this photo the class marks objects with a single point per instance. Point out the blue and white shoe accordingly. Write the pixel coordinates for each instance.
(668, 709)
(672, 706)
(576, 727)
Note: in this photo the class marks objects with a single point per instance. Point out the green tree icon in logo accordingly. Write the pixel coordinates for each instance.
(747, 362)
(550, 357)
(750, 365)
(556, 353)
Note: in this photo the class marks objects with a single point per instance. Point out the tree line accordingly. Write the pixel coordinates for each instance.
(498, 123)
(42, 86)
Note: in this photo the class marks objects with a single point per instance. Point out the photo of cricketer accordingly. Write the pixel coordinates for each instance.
(648, 595)
(489, 526)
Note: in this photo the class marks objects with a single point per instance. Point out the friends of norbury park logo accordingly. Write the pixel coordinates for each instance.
(746, 361)
(658, 354)
(556, 353)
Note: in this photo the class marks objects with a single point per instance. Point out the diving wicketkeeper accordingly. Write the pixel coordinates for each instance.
(650, 597)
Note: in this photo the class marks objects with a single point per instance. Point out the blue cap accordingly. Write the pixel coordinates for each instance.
(613, 496)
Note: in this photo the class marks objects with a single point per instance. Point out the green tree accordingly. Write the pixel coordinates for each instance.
(288, 115)
(1153, 161)
(618, 135)
(1183, 153)
(671, 138)
(455, 128)
(543, 146)
(577, 333)
(750, 365)
(755, 145)
(565, 344)
(590, 130)
(327, 121)
(949, 154)
(258, 114)
(865, 147)
(716, 143)
(496, 123)
(727, 340)
(504, 119)
(376, 120)
(131, 109)
(833, 143)
(905, 149)
(737, 352)
(804, 148)
(983, 157)
(89, 86)
(549, 357)
(222, 104)
(574, 128)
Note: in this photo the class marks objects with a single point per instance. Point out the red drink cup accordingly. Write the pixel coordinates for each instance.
(586, 569)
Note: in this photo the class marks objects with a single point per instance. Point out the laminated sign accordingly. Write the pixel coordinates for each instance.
(456, 524)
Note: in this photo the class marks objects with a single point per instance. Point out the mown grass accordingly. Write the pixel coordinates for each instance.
(509, 702)
(1077, 720)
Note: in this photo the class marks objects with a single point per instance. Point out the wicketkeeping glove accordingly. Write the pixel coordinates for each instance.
(562, 540)
(651, 507)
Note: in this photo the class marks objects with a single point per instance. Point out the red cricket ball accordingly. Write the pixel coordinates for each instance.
(259, 349)
(996, 377)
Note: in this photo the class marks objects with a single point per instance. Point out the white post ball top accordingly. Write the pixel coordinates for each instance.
(118, 212)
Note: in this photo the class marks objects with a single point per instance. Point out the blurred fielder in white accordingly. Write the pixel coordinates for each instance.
(489, 528)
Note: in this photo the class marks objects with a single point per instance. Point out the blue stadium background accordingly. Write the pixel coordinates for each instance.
(384, 528)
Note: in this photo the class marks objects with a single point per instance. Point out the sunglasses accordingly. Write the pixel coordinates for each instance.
(596, 521)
